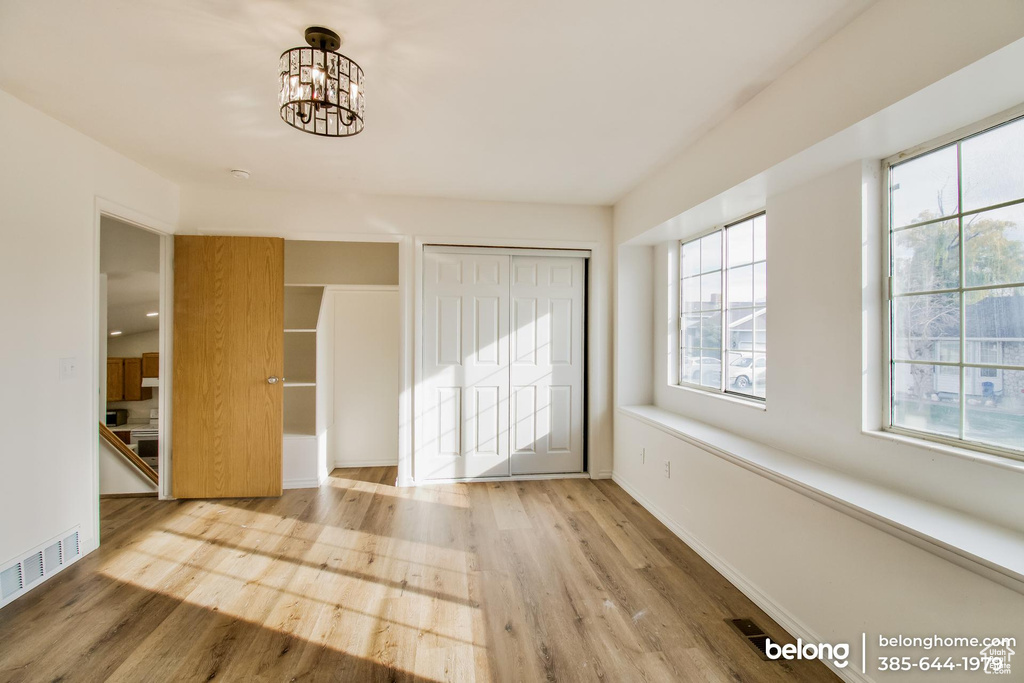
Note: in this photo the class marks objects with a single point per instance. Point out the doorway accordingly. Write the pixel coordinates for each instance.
(130, 338)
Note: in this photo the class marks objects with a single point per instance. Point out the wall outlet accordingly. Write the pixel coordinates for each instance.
(668, 469)
(643, 455)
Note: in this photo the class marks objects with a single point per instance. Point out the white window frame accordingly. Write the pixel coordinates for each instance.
(677, 355)
(954, 137)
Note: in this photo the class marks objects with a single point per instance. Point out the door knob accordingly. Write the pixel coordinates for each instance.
(272, 380)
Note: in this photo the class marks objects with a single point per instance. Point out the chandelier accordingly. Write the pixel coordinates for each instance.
(321, 90)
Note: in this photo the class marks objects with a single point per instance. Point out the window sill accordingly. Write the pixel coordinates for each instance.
(964, 453)
(731, 398)
(992, 551)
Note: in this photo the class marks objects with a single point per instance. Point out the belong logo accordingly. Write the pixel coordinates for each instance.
(838, 654)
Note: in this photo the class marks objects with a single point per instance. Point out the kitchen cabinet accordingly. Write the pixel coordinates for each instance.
(133, 389)
(124, 380)
(115, 379)
(151, 365)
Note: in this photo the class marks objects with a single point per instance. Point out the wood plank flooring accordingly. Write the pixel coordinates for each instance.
(566, 580)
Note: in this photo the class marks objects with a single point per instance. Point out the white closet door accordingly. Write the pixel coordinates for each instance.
(465, 377)
(547, 364)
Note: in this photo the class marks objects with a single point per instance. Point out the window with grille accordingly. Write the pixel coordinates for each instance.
(956, 290)
(723, 311)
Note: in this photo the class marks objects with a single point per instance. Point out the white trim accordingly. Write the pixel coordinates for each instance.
(721, 395)
(413, 305)
(364, 463)
(301, 483)
(514, 477)
(946, 448)
(507, 251)
(105, 207)
(881, 508)
(783, 617)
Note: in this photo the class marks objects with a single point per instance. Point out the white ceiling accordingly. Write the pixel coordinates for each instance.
(524, 100)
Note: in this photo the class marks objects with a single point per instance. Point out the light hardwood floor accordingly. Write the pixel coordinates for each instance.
(359, 581)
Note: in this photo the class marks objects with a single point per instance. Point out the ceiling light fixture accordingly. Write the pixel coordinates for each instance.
(115, 333)
(239, 174)
(321, 90)
(152, 314)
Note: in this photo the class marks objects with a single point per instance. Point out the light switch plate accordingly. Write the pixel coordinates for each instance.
(68, 368)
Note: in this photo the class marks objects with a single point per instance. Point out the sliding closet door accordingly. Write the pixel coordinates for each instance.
(465, 376)
(547, 364)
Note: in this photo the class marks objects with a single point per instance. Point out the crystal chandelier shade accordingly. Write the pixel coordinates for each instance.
(321, 91)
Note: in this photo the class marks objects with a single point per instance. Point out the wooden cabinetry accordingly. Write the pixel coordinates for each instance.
(151, 365)
(124, 380)
(133, 389)
(115, 379)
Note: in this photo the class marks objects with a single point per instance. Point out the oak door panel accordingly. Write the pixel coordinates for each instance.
(228, 340)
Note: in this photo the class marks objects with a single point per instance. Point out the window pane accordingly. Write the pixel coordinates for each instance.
(926, 399)
(741, 330)
(924, 188)
(993, 166)
(995, 407)
(689, 334)
(760, 237)
(741, 243)
(760, 375)
(994, 247)
(926, 258)
(741, 286)
(711, 291)
(997, 316)
(760, 283)
(711, 252)
(741, 373)
(691, 258)
(761, 329)
(711, 372)
(690, 371)
(691, 294)
(711, 331)
(920, 322)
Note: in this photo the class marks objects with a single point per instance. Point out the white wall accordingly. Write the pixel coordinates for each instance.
(50, 179)
(367, 357)
(808, 150)
(819, 572)
(890, 51)
(432, 220)
(117, 476)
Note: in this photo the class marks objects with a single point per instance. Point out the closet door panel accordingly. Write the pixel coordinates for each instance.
(547, 295)
(465, 380)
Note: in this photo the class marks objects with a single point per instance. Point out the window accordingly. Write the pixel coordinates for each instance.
(722, 309)
(956, 290)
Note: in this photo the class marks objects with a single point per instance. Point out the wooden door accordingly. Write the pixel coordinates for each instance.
(228, 360)
(546, 366)
(465, 366)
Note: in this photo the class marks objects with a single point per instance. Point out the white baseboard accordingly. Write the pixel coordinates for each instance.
(793, 626)
(365, 463)
(310, 483)
(603, 474)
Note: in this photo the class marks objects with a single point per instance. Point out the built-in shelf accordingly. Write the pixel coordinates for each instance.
(300, 384)
(302, 307)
